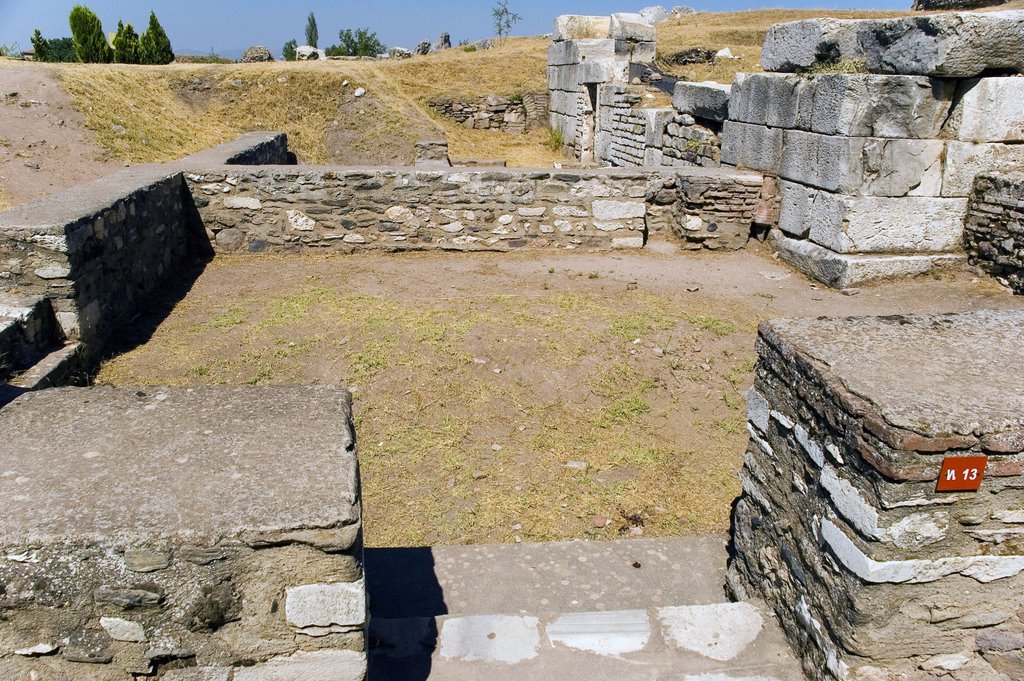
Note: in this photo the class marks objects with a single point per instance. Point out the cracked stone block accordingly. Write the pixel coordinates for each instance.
(965, 161)
(863, 165)
(174, 526)
(576, 27)
(703, 100)
(799, 45)
(840, 527)
(844, 104)
(954, 45)
(752, 147)
(867, 224)
(989, 110)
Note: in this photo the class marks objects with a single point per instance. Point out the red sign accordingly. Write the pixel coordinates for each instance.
(961, 473)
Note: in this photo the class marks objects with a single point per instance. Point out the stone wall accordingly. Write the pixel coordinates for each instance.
(497, 113)
(872, 572)
(98, 250)
(588, 52)
(994, 230)
(876, 167)
(345, 209)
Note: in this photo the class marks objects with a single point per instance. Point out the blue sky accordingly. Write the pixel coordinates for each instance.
(230, 26)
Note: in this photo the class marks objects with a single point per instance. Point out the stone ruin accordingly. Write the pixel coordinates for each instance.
(876, 130)
(874, 573)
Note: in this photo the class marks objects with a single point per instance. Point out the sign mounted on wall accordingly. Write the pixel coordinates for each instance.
(961, 473)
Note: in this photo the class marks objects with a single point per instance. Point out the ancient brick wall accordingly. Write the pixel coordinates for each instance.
(994, 229)
(516, 115)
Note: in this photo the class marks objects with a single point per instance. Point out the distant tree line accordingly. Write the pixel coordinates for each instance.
(358, 43)
(89, 44)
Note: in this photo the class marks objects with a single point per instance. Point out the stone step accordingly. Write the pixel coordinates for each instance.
(28, 331)
(636, 609)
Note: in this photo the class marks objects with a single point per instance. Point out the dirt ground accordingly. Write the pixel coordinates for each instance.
(508, 397)
(44, 145)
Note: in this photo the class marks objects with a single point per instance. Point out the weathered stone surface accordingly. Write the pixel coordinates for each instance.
(863, 165)
(848, 224)
(989, 110)
(123, 630)
(326, 605)
(579, 27)
(845, 104)
(218, 540)
(704, 100)
(962, 45)
(198, 674)
(753, 147)
(798, 45)
(844, 270)
(322, 665)
(634, 27)
(965, 161)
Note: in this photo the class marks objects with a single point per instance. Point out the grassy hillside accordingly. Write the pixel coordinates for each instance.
(147, 114)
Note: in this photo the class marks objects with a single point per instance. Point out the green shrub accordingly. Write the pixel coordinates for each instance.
(127, 47)
(556, 140)
(156, 46)
(87, 33)
(288, 51)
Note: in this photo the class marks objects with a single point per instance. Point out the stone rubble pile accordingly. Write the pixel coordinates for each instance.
(873, 574)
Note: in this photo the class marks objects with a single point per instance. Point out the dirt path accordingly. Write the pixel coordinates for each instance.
(525, 396)
(44, 145)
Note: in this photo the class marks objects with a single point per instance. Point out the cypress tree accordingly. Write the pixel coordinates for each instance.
(312, 32)
(40, 45)
(156, 46)
(127, 47)
(87, 33)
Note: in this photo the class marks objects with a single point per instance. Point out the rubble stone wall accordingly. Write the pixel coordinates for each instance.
(98, 250)
(497, 113)
(994, 230)
(343, 209)
(873, 573)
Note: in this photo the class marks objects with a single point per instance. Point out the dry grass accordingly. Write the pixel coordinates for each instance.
(471, 401)
(741, 32)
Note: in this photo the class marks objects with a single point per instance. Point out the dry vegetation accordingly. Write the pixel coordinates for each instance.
(742, 32)
(475, 400)
(144, 114)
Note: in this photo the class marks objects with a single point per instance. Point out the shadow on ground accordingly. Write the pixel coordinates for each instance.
(405, 600)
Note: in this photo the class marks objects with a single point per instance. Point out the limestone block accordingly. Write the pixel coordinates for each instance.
(618, 210)
(321, 665)
(604, 48)
(871, 224)
(243, 202)
(863, 165)
(754, 147)
(989, 110)
(627, 26)
(566, 78)
(965, 161)
(636, 52)
(798, 45)
(960, 45)
(579, 27)
(703, 100)
(562, 54)
(858, 105)
(326, 606)
(840, 270)
(655, 121)
(766, 99)
(599, 71)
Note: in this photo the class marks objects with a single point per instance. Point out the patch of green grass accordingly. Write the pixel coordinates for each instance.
(719, 327)
(623, 411)
(631, 325)
(372, 359)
